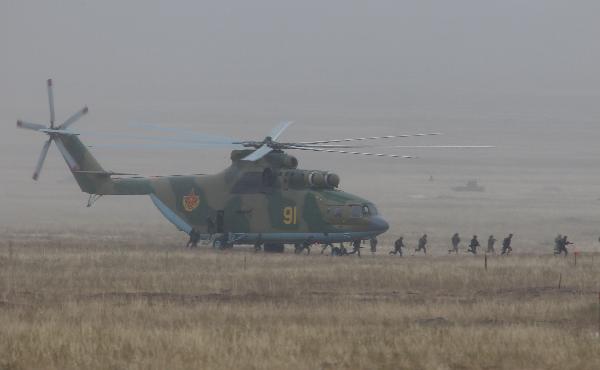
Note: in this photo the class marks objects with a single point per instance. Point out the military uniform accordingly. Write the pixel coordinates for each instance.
(557, 242)
(422, 244)
(194, 238)
(355, 247)
(325, 246)
(473, 245)
(455, 241)
(373, 243)
(398, 245)
(339, 251)
(506, 248)
(300, 247)
(490, 244)
(562, 245)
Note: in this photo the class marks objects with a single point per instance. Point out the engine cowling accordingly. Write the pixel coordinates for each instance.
(311, 179)
(332, 180)
(315, 179)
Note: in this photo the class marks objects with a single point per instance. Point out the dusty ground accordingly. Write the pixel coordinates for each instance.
(130, 302)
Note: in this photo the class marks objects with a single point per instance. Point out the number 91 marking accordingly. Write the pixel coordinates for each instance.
(289, 216)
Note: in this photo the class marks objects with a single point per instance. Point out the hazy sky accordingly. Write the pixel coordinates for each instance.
(520, 73)
(158, 49)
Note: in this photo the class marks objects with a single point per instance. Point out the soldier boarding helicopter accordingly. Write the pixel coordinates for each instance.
(262, 198)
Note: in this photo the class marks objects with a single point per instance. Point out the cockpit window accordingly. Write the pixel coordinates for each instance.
(365, 211)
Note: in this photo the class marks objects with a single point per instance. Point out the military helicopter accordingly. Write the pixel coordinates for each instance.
(262, 198)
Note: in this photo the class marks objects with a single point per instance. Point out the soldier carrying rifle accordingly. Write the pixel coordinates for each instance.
(398, 245)
(562, 246)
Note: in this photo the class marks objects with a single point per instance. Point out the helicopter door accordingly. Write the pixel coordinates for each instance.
(220, 221)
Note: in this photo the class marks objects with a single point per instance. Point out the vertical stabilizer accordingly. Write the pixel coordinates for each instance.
(90, 176)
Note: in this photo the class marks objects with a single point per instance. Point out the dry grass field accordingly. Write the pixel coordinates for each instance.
(135, 303)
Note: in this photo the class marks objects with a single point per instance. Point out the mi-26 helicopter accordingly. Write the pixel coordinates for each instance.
(262, 198)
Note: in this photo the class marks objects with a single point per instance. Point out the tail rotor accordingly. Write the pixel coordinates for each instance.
(51, 102)
(42, 158)
(51, 130)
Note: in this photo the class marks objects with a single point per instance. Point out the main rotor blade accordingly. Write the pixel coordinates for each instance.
(257, 154)
(402, 146)
(51, 102)
(278, 130)
(368, 138)
(325, 146)
(160, 139)
(30, 126)
(354, 153)
(40, 162)
(168, 146)
(71, 120)
(197, 136)
(441, 146)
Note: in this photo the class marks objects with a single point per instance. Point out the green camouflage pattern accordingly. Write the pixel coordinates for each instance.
(269, 199)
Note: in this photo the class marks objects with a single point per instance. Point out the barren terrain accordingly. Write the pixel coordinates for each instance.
(72, 301)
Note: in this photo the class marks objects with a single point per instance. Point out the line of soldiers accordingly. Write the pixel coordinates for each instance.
(455, 241)
(399, 244)
(342, 251)
(474, 244)
(560, 245)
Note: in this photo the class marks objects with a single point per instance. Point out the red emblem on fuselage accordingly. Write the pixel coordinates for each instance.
(191, 201)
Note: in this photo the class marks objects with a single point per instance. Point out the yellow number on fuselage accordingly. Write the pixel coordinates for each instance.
(289, 215)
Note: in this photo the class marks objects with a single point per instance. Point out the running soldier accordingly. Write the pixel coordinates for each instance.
(398, 245)
(194, 239)
(355, 247)
(339, 251)
(506, 248)
(455, 241)
(300, 247)
(373, 242)
(557, 242)
(491, 242)
(325, 246)
(562, 245)
(473, 245)
(422, 244)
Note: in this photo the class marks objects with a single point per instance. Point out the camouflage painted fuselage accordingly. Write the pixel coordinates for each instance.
(267, 200)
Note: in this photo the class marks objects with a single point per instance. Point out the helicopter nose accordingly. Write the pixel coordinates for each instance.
(378, 224)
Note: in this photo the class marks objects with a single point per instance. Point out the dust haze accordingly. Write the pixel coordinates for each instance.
(522, 76)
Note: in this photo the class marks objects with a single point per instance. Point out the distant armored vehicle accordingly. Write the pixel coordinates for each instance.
(471, 185)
